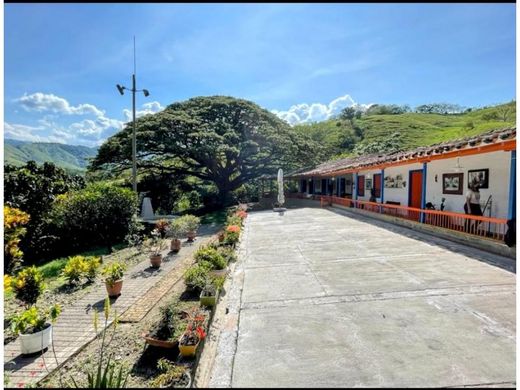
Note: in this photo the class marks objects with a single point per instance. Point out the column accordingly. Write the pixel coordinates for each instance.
(423, 200)
(511, 213)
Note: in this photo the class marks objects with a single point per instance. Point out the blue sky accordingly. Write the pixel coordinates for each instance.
(303, 61)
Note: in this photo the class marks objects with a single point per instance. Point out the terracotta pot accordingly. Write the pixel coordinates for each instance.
(114, 290)
(191, 235)
(175, 245)
(156, 260)
(160, 343)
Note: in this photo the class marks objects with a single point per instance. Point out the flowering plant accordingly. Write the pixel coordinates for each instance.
(241, 213)
(195, 329)
(233, 229)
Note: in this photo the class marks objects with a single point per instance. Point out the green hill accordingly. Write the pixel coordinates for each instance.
(343, 138)
(70, 157)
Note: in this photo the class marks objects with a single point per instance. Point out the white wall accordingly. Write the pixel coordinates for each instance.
(400, 194)
(499, 165)
(368, 175)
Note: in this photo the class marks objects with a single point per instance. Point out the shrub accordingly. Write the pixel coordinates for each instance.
(33, 320)
(228, 253)
(75, 268)
(234, 220)
(232, 234)
(196, 275)
(135, 236)
(28, 285)
(211, 256)
(155, 244)
(176, 229)
(92, 269)
(114, 272)
(14, 220)
(171, 375)
(191, 222)
(100, 214)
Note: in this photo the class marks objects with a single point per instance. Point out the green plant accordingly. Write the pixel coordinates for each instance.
(28, 285)
(114, 272)
(228, 253)
(177, 229)
(92, 268)
(196, 275)
(33, 320)
(106, 376)
(14, 220)
(234, 220)
(191, 222)
(162, 227)
(212, 256)
(135, 235)
(74, 269)
(155, 244)
(171, 375)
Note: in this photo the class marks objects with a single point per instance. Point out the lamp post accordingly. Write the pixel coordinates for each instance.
(121, 90)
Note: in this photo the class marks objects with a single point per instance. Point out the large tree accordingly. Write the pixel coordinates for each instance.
(220, 139)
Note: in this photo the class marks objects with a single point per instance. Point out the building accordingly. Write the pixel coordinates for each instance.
(414, 184)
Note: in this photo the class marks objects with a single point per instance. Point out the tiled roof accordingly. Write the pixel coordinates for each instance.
(366, 161)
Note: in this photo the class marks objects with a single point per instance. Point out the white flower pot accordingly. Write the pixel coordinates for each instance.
(35, 342)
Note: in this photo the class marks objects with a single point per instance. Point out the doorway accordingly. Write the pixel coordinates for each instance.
(415, 193)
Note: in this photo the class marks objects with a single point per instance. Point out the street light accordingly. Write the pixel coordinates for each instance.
(121, 90)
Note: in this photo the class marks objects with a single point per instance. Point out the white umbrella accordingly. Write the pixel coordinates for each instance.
(281, 198)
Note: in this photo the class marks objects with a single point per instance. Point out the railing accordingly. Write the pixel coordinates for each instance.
(493, 228)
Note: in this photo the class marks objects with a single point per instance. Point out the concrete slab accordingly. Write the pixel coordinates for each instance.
(327, 300)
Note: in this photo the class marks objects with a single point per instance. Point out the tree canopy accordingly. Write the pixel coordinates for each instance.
(219, 139)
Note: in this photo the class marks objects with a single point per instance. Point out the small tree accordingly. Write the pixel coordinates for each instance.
(14, 221)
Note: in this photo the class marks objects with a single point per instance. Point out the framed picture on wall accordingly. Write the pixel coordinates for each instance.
(481, 174)
(452, 183)
(368, 184)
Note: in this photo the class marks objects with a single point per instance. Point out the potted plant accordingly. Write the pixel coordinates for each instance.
(171, 376)
(232, 234)
(176, 230)
(34, 328)
(214, 260)
(192, 223)
(195, 276)
(160, 335)
(209, 294)
(114, 278)
(156, 245)
(194, 334)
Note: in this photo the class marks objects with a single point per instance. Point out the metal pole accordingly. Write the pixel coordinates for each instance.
(134, 146)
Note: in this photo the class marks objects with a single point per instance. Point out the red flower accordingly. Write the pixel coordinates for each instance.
(233, 229)
(241, 213)
(33, 373)
(201, 333)
(20, 385)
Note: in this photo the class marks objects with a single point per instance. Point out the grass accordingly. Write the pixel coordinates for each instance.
(416, 129)
(214, 218)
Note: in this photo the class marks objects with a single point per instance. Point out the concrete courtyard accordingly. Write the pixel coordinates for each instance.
(333, 299)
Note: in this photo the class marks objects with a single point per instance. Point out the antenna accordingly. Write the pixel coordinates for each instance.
(134, 55)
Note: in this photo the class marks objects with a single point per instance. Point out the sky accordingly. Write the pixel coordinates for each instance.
(304, 62)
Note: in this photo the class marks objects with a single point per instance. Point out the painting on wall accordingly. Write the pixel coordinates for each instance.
(394, 182)
(368, 184)
(452, 183)
(482, 175)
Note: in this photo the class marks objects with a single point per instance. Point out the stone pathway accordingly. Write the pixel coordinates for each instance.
(75, 327)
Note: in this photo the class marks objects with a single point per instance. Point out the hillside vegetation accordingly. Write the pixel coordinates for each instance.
(73, 158)
(346, 137)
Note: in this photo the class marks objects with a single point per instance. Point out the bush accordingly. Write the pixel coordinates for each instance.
(14, 220)
(191, 222)
(28, 285)
(78, 267)
(231, 234)
(234, 220)
(211, 256)
(228, 253)
(33, 320)
(196, 276)
(100, 214)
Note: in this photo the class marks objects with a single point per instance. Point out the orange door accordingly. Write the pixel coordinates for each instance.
(361, 186)
(376, 182)
(415, 194)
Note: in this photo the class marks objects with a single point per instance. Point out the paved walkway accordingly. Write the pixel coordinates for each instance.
(324, 299)
(75, 328)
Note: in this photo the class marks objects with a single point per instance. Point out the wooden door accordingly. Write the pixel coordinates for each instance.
(376, 182)
(415, 193)
(361, 186)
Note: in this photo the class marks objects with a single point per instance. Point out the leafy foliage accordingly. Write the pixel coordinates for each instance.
(79, 267)
(196, 275)
(190, 222)
(114, 272)
(385, 145)
(171, 375)
(14, 221)
(99, 214)
(34, 320)
(211, 256)
(218, 139)
(28, 285)
(33, 189)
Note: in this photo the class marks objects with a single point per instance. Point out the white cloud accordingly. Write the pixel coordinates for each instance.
(42, 102)
(22, 132)
(148, 108)
(316, 112)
